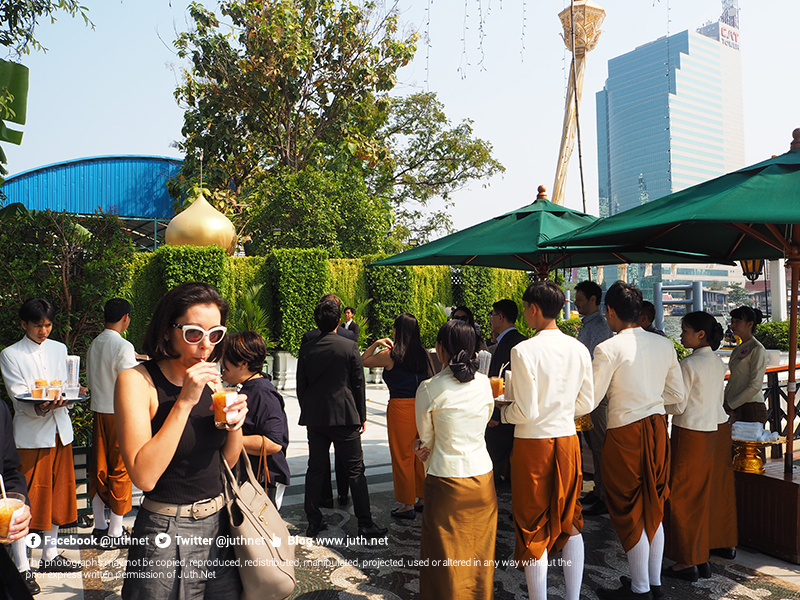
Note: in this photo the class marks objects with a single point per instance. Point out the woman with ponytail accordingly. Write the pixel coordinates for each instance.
(405, 366)
(693, 446)
(459, 524)
(743, 396)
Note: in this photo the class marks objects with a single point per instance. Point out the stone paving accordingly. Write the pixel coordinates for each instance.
(343, 569)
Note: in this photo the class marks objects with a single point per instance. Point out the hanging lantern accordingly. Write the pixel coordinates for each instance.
(752, 269)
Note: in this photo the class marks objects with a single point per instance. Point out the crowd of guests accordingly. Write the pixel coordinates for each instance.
(450, 442)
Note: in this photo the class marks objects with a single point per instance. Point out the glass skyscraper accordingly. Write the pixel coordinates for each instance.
(670, 116)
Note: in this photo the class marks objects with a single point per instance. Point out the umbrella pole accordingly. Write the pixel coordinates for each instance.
(794, 264)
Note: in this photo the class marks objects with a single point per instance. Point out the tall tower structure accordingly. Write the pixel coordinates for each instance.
(670, 114)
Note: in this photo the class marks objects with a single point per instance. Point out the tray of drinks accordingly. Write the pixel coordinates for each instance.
(501, 400)
(27, 397)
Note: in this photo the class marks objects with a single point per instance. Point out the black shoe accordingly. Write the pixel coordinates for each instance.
(598, 508)
(30, 582)
(59, 565)
(419, 507)
(590, 498)
(343, 501)
(623, 593)
(688, 574)
(409, 514)
(327, 503)
(704, 570)
(654, 589)
(729, 553)
(373, 531)
(313, 530)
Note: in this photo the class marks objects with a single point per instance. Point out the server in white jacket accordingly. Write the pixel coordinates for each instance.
(42, 433)
(109, 355)
(639, 373)
(552, 385)
(694, 432)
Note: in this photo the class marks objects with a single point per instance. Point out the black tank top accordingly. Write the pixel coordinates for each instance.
(194, 472)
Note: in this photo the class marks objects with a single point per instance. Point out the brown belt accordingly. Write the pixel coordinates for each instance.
(197, 510)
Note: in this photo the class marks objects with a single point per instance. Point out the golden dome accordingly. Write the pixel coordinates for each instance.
(201, 225)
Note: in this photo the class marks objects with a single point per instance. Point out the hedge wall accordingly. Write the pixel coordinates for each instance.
(349, 279)
(297, 278)
(243, 273)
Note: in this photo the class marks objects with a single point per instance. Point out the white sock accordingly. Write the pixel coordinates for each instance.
(115, 526)
(536, 576)
(21, 555)
(656, 556)
(572, 555)
(50, 544)
(99, 510)
(638, 558)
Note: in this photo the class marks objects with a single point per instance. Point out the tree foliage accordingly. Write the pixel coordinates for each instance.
(75, 262)
(291, 85)
(314, 208)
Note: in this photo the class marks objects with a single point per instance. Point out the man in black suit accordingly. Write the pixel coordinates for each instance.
(333, 407)
(341, 471)
(349, 323)
(500, 436)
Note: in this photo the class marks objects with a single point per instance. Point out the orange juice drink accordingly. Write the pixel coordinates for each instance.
(8, 506)
(53, 391)
(38, 392)
(223, 398)
(497, 386)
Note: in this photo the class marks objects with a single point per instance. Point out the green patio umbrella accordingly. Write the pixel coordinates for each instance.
(513, 240)
(750, 213)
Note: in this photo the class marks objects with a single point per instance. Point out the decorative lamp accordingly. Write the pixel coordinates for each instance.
(752, 269)
(201, 225)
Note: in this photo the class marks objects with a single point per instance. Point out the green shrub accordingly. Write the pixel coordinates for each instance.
(473, 287)
(774, 335)
(296, 280)
(145, 288)
(570, 326)
(181, 264)
(349, 280)
(429, 285)
(243, 273)
(388, 287)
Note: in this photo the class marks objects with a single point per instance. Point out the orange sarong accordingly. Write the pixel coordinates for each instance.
(408, 472)
(686, 515)
(546, 482)
(108, 476)
(459, 529)
(635, 467)
(50, 474)
(723, 530)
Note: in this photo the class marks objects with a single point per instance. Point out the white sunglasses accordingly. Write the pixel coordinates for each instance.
(193, 334)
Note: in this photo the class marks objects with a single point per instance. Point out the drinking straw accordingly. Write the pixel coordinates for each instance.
(3, 488)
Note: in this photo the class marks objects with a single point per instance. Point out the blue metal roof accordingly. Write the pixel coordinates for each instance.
(129, 186)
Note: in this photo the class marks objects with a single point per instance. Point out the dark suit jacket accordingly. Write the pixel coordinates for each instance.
(354, 329)
(330, 382)
(9, 457)
(315, 333)
(502, 353)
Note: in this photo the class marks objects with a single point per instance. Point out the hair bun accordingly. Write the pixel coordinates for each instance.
(759, 315)
(464, 367)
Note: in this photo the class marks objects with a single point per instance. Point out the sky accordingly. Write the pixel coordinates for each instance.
(501, 64)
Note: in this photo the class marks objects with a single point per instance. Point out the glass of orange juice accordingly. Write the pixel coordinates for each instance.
(222, 398)
(497, 386)
(9, 505)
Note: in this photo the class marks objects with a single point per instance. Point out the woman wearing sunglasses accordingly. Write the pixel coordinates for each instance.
(171, 449)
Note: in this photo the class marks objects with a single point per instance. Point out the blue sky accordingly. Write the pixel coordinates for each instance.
(110, 90)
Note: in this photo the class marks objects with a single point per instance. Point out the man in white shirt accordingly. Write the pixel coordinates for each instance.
(42, 433)
(552, 385)
(594, 330)
(639, 373)
(109, 355)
